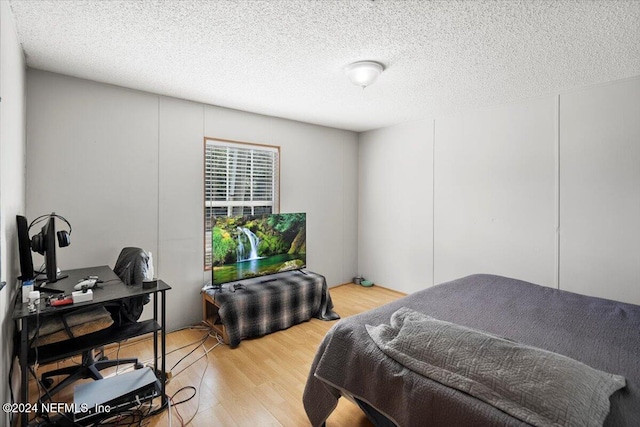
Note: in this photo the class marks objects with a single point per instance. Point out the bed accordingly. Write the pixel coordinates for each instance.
(603, 334)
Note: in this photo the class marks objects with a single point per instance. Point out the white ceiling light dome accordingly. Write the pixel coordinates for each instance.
(364, 73)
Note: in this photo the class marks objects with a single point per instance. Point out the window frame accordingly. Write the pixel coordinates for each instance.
(230, 204)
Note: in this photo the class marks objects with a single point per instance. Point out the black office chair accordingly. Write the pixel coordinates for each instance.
(131, 267)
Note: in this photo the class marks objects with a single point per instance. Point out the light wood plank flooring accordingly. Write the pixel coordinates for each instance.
(259, 383)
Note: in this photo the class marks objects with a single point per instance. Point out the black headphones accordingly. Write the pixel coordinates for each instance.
(38, 241)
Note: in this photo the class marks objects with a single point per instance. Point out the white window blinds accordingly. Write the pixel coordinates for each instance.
(240, 179)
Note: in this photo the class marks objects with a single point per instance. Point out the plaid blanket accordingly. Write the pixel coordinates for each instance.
(271, 303)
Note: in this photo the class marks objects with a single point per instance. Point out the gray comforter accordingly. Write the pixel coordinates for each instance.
(542, 388)
(600, 333)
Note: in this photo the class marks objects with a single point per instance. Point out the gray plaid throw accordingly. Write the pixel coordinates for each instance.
(272, 303)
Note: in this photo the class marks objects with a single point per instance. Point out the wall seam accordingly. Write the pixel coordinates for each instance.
(557, 234)
(342, 179)
(157, 257)
(202, 172)
(433, 204)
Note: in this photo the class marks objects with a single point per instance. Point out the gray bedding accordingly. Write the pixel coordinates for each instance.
(542, 388)
(602, 334)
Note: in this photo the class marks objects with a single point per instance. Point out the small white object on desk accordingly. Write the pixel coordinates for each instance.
(34, 296)
(27, 288)
(149, 281)
(88, 283)
(150, 272)
(81, 296)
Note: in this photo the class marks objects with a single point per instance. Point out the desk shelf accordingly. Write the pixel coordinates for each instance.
(65, 349)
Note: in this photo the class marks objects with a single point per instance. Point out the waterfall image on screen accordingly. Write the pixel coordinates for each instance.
(251, 246)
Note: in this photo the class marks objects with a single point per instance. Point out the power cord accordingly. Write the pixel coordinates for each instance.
(220, 342)
(150, 412)
(169, 400)
(195, 391)
(187, 387)
(202, 341)
(118, 357)
(198, 328)
(46, 416)
(136, 416)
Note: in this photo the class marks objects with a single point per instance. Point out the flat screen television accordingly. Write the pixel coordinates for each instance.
(252, 246)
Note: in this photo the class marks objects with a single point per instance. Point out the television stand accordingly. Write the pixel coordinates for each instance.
(262, 306)
(211, 314)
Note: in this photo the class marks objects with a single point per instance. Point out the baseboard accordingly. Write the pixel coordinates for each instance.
(375, 284)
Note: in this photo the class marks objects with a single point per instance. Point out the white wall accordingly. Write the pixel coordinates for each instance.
(129, 172)
(395, 222)
(506, 179)
(92, 157)
(180, 211)
(600, 188)
(495, 192)
(12, 183)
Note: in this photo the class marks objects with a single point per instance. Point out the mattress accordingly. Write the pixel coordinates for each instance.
(602, 334)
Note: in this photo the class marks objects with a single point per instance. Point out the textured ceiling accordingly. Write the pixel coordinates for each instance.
(287, 58)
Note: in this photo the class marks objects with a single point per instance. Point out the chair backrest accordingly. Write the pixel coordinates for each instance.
(131, 267)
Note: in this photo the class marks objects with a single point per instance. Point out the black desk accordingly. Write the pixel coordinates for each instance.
(111, 290)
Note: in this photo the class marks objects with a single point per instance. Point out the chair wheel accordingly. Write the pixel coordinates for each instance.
(138, 366)
(47, 382)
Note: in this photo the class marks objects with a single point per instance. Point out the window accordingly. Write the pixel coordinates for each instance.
(239, 179)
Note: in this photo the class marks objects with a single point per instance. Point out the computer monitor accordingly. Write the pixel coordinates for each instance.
(24, 248)
(49, 233)
(44, 243)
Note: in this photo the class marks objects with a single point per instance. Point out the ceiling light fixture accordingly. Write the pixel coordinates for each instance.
(364, 73)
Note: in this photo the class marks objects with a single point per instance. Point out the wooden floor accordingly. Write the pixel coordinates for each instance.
(259, 383)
